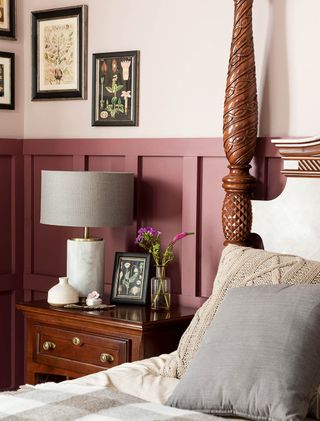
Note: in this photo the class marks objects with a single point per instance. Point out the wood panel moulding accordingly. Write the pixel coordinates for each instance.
(188, 168)
(6, 327)
(6, 226)
(11, 268)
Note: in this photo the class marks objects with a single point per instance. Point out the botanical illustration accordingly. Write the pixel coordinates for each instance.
(115, 91)
(59, 49)
(6, 81)
(1, 79)
(130, 277)
(59, 54)
(1, 12)
(7, 19)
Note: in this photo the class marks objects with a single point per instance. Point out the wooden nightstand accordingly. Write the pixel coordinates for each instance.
(72, 343)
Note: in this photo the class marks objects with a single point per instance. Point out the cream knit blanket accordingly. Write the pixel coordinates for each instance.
(239, 267)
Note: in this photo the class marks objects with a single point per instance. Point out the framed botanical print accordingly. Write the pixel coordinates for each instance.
(6, 81)
(59, 53)
(115, 89)
(8, 19)
(130, 278)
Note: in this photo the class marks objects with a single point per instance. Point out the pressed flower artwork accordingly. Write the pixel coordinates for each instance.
(130, 278)
(115, 89)
(59, 53)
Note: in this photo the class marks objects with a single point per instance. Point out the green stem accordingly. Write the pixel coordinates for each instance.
(160, 290)
(156, 298)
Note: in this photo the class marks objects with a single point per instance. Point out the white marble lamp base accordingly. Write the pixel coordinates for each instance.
(85, 266)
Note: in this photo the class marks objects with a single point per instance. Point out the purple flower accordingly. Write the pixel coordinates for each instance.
(149, 231)
(148, 238)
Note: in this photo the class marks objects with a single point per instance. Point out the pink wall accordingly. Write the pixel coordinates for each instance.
(11, 121)
(170, 50)
(184, 58)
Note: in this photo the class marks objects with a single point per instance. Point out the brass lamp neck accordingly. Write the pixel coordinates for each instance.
(86, 236)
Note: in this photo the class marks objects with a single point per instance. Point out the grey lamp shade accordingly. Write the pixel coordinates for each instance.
(86, 198)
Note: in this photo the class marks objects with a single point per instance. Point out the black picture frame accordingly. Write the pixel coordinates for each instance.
(7, 81)
(133, 267)
(115, 88)
(8, 19)
(68, 79)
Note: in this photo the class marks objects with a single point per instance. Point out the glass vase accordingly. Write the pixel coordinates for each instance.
(160, 290)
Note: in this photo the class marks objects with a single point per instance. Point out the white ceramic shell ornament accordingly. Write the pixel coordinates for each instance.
(93, 299)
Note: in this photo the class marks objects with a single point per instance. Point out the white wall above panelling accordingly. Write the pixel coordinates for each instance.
(182, 73)
(289, 89)
(184, 53)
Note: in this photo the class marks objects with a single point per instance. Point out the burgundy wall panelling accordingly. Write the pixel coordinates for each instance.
(178, 187)
(11, 263)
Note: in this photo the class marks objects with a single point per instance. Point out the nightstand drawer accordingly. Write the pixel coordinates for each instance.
(66, 343)
(55, 346)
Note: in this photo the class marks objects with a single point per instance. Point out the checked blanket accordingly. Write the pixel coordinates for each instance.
(67, 401)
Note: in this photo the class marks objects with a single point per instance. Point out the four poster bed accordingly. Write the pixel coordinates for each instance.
(186, 379)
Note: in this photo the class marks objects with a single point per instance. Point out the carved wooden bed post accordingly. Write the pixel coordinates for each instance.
(240, 128)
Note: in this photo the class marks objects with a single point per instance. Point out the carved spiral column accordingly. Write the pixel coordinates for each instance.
(240, 128)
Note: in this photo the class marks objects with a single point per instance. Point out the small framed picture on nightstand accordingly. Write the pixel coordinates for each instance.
(130, 278)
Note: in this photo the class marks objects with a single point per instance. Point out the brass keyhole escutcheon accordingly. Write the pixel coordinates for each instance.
(106, 358)
(47, 345)
(76, 341)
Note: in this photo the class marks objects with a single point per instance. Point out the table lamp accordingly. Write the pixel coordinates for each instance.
(86, 199)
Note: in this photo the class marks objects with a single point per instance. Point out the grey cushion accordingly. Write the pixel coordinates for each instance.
(260, 356)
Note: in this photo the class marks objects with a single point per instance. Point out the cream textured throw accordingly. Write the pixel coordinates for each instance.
(238, 267)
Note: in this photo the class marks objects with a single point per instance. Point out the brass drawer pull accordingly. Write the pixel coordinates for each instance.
(47, 345)
(104, 358)
(76, 341)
